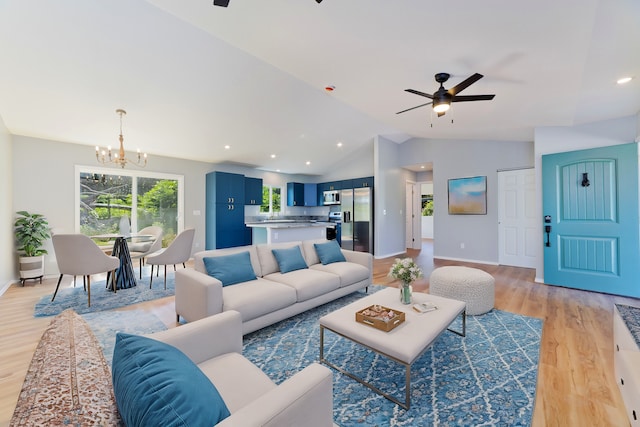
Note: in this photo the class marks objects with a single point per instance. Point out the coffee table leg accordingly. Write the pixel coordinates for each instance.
(464, 325)
(407, 403)
(321, 343)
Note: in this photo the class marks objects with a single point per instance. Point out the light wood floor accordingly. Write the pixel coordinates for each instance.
(576, 385)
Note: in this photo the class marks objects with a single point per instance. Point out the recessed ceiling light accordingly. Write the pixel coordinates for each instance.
(624, 80)
(226, 147)
(308, 162)
(273, 156)
(339, 144)
(422, 167)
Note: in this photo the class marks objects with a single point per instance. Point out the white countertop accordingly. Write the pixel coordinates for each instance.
(289, 224)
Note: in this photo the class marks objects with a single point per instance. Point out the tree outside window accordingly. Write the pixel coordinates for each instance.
(427, 205)
(144, 200)
(271, 197)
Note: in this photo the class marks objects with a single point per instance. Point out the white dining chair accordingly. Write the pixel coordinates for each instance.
(141, 249)
(77, 254)
(178, 252)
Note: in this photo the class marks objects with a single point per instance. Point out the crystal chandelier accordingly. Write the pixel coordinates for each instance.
(118, 158)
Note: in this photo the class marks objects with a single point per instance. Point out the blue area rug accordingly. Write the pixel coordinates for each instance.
(487, 378)
(103, 299)
(106, 324)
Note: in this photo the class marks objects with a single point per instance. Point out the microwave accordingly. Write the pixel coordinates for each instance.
(331, 197)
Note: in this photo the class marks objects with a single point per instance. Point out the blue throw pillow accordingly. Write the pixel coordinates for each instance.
(155, 384)
(289, 259)
(230, 269)
(329, 252)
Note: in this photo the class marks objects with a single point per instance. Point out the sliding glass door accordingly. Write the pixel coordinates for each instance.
(109, 199)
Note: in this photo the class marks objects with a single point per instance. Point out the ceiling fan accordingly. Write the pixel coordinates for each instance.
(443, 98)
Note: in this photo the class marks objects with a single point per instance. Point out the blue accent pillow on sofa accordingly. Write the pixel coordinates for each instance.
(155, 384)
(230, 269)
(329, 252)
(289, 259)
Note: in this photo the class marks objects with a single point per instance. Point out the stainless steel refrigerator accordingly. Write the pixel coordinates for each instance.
(357, 219)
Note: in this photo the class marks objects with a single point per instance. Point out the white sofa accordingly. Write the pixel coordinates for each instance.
(214, 344)
(273, 296)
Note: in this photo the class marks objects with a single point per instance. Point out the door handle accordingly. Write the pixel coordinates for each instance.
(547, 229)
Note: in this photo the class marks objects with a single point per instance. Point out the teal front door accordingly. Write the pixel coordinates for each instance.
(590, 211)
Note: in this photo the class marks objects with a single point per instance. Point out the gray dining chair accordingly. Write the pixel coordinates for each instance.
(141, 249)
(178, 252)
(77, 254)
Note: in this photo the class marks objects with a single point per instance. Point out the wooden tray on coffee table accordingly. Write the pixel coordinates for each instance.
(380, 317)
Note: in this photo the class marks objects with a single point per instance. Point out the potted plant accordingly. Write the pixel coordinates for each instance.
(31, 232)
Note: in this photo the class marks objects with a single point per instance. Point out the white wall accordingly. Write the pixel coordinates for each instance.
(389, 203)
(559, 139)
(8, 261)
(357, 165)
(457, 159)
(43, 182)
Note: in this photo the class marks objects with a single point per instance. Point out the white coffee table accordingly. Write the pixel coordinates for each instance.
(404, 344)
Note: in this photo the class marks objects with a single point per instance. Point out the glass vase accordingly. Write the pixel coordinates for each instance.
(405, 293)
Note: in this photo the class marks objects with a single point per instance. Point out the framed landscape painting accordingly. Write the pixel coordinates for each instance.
(468, 196)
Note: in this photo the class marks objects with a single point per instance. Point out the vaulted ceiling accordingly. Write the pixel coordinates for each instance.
(195, 77)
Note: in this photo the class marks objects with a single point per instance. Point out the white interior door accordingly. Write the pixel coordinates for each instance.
(517, 225)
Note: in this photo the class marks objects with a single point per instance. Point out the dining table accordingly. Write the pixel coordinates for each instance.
(125, 277)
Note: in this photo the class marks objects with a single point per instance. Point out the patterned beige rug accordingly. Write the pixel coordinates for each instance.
(68, 381)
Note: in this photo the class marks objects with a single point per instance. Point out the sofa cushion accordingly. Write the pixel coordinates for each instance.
(309, 251)
(257, 297)
(155, 383)
(308, 283)
(230, 269)
(268, 262)
(198, 257)
(329, 252)
(348, 272)
(239, 381)
(289, 259)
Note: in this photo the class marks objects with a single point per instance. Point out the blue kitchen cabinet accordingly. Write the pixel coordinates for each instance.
(252, 191)
(362, 182)
(299, 194)
(311, 194)
(230, 228)
(224, 216)
(223, 187)
(295, 194)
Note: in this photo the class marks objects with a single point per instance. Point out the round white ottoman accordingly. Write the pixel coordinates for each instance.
(473, 286)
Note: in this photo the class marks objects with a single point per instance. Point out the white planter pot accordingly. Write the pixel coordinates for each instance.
(31, 267)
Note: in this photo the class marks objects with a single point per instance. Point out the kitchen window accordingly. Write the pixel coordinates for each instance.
(271, 197)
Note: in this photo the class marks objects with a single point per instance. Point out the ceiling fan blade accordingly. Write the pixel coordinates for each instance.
(413, 108)
(417, 92)
(464, 98)
(465, 84)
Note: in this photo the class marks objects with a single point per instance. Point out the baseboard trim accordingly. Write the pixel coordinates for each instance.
(388, 255)
(466, 260)
(4, 287)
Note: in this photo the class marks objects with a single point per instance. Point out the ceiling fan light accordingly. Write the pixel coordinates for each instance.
(441, 107)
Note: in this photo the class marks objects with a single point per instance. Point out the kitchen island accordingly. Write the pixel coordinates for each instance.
(279, 231)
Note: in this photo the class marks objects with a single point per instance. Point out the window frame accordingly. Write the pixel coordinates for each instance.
(271, 212)
(134, 174)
